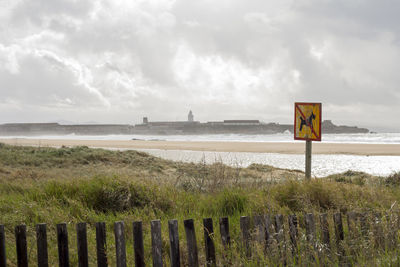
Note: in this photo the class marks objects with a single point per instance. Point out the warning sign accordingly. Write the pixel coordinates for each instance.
(307, 121)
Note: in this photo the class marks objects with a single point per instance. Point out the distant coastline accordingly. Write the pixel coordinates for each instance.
(189, 127)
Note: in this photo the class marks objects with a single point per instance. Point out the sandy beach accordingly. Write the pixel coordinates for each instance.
(256, 147)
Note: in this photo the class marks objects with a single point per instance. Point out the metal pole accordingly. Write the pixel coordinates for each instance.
(308, 159)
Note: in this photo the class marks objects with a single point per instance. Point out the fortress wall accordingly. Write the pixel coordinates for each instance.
(161, 128)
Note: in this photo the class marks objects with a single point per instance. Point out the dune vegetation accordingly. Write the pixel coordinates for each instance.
(79, 184)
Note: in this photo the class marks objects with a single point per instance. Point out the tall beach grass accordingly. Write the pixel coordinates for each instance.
(49, 185)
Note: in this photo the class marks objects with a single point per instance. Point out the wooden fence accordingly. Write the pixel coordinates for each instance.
(264, 229)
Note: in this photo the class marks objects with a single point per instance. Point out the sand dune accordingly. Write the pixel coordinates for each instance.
(258, 147)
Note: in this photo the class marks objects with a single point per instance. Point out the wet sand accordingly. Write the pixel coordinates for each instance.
(256, 147)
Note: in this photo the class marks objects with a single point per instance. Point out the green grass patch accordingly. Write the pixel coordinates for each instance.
(81, 184)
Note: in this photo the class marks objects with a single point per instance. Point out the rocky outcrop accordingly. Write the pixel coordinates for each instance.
(328, 127)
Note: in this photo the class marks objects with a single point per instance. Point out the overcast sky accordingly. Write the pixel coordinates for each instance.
(115, 61)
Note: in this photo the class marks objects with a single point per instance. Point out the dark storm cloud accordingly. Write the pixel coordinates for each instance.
(115, 61)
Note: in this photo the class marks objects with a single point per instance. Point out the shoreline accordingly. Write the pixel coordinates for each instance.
(219, 146)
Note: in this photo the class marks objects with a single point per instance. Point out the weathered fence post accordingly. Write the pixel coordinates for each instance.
(339, 234)
(391, 221)
(120, 249)
(293, 232)
(22, 252)
(309, 223)
(225, 239)
(378, 231)
(138, 247)
(325, 231)
(259, 227)
(279, 228)
(3, 259)
(41, 240)
(245, 228)
(337, 218)
(209, 242)
(101, 244)
(174, 250)
(224, 229)
(351, 223)
(397, 222)
(193, 259)
(364, 224)
(81, 236)
(310, 229)
(280, 236)
(62, 240)
(156, 243)
(352, 232)
(269, 236)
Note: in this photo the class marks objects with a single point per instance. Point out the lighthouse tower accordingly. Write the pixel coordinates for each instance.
(190, 116)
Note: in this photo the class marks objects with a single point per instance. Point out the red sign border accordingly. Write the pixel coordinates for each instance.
(295, 123)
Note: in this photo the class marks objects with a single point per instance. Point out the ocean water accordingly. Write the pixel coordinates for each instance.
(322, 165)
(375, 138)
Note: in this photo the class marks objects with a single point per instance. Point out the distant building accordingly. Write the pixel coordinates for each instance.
(145, 120)
(190, 116)
(241, 122)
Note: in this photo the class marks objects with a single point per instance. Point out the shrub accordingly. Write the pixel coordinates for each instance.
(231, 202)
(393, 179)
(105, 194)
(350, 177)
(321, 194)
(261, 167)
(300, 196)
(286, 195)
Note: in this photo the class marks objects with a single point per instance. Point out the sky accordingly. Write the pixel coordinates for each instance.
(116, 61)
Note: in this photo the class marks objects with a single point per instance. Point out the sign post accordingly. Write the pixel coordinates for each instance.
(307, 126)
(308, 158)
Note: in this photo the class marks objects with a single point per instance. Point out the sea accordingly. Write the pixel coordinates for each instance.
(322, 165)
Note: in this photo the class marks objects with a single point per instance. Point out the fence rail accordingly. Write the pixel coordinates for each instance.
(265, 230)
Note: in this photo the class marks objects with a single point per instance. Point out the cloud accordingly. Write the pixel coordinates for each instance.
(116, 61)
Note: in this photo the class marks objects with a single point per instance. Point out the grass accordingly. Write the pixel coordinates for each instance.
(91, 185)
